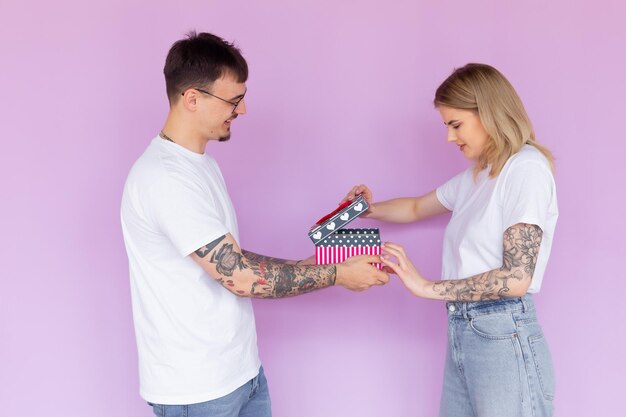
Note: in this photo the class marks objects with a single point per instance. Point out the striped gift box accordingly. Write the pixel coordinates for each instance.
(344, 243)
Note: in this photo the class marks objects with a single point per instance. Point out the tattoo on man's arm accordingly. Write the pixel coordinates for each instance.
(275, 279)
(521, 249)
(204, 251)
(282, 280)
(262, 258)
(226, 260)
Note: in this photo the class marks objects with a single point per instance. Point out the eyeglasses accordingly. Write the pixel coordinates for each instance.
(232, 103)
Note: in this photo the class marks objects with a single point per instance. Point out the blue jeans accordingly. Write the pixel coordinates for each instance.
(250, 400)
(498, 363)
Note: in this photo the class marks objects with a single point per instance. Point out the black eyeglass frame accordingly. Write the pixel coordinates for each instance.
(232, 103)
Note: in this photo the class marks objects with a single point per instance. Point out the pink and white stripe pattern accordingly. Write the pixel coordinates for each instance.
(345, 243)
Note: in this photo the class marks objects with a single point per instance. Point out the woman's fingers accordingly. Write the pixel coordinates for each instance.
(359, 190)
(395, 246)
(351, 194)
(395, 268)
(398, 254)
(388, 269)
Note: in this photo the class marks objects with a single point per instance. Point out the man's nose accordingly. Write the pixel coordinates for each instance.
(241, 107)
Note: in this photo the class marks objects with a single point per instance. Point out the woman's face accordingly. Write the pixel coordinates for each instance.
(465, 130)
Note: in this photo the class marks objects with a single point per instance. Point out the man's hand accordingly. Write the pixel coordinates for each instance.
(311, 260)
(357, 273)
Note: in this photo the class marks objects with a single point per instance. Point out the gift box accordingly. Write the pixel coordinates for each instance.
(334, 244)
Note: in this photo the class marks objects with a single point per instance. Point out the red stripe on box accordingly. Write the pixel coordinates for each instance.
(337, 254)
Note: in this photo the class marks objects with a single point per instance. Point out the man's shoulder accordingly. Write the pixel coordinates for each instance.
(159, 162)
(146, 166)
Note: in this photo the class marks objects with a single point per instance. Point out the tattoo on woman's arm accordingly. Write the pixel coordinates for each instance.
(521, 249)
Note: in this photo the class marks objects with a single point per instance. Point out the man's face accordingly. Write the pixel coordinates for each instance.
(216, 110)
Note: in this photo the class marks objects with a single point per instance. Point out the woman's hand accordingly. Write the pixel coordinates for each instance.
(359, 190)
(404, 269)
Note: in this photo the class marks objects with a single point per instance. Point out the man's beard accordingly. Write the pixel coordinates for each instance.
(226, 137)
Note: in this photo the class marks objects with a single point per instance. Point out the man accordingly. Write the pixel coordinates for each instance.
(191, 282)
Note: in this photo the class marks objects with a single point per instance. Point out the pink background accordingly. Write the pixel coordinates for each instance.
(339, 93)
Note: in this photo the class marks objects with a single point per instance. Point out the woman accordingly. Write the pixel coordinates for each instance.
(496, 247)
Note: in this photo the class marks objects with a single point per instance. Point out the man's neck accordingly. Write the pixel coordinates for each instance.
(175, 130)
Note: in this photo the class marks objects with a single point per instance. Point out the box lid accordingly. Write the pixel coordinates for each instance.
(351, 238)
(343, 215)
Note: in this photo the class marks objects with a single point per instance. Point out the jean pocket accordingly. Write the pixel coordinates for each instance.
(543, 364)
(494, 326)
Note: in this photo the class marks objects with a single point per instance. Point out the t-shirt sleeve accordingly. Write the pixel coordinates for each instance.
(448, 193)
(526, 195)
(186, 214)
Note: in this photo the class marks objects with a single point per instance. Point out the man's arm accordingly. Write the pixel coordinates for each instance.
(250, 275)
(262, 258)
(520, 251)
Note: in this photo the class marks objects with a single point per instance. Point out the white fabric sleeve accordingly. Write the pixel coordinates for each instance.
(448, 192)
(526, 195)
(186, 214)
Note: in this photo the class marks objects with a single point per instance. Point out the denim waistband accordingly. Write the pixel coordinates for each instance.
(476, 308)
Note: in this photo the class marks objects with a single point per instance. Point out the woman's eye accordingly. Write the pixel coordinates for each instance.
(456, 126)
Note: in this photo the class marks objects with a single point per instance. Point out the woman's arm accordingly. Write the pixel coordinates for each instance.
(399, 210)
(520, 250)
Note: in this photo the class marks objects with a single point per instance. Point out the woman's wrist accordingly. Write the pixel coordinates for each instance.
(371, 212)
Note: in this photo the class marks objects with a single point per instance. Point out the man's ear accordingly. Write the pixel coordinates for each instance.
(189, 99)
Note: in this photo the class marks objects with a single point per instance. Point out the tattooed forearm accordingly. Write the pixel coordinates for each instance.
(268, 277)
(261, 258)
(202, 252)
(491, 285)
(521, 249)
(282, 280)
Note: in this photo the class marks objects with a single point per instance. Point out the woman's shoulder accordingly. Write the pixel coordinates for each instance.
(528, 155)
(528, 166)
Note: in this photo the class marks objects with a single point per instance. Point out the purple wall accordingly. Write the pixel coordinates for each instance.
(340, 93)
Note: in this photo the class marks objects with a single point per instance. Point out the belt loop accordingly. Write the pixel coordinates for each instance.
(524, 304)
(254, 385)
(464, 308)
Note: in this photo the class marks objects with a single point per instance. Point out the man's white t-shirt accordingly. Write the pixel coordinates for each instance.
(483, 208)
(196, 340)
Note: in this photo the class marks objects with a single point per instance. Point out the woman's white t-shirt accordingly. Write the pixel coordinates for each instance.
(483, 208)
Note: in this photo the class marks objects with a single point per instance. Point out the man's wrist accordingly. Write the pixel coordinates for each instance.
(339, 274)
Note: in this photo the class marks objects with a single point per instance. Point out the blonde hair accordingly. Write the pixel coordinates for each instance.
(484, 90)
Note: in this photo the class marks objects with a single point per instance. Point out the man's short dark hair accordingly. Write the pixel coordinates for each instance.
(198, 61)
